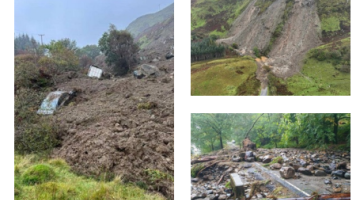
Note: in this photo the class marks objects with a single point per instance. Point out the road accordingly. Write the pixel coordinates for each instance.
(264, 92)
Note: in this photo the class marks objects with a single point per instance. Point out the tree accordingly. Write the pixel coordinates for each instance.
(119, 49)
(90, 51)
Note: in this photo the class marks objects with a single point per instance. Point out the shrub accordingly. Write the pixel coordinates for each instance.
(39, 173)
(257, 52)
(235, 46)
(278, 159)
(35, 138)
(54, 191)
(195, 169)
(147, 105)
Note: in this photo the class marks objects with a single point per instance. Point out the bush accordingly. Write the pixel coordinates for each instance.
(39, 173)
(195, 169)
(235, 46)
(35, 138)
(257, 52)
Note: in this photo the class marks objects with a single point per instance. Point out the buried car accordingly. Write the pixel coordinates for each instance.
(53, 100)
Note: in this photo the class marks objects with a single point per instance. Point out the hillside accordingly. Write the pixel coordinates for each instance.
(144, 22)
(284, 31)
(154, 33)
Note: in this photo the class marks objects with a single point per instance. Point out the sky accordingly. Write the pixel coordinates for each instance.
(82, 20)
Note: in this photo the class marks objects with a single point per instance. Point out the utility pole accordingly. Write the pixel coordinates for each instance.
(41, 38)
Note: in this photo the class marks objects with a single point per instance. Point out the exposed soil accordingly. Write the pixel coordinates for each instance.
(120, 126)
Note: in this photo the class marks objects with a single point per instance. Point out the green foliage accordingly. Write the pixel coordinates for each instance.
(278, 159)
(37, 137)
(89, 50)
(23, 44)
(156, 176)
(235, 46)
(147, 105)
(225, 12)
(300, 130)
(39, 173)
(119, 49)
(228, 185)
(67, 185)
(257, 52)
(325, 71)
(277, 86)
(195, 169)
(206, 49)
(334, 16)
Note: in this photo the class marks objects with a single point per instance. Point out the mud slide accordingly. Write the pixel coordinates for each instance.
(301, 32)
(252, 29)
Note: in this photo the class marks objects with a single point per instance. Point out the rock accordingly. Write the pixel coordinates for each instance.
(332, 166)
(337, 188)
(347, 175)
(295, 166)
(236, 159)
(341, 165)
(251, 159)
(276, 166)
(327, 181)
(222, 197)
(194, 180)
(287, 172)
(267, 159)
(213, 197)
(247, 165)
(209, 191)
(310, 168)
(249, 154)
(304, 171)
(302, 162)
(242, 155)
(338, 173)
(320, 173)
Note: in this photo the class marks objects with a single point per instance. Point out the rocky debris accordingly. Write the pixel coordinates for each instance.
(287, 172)
(337, 188)
(320, 173)
(338, 173)
(347, 175)
(267, 159)
(305, 171)
(276, 166)
(327, 181)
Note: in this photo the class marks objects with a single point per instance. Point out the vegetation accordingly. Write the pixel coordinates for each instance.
(325, 71)
(24, 44)
(263, 5)
(206, 49)
(334, 16)
(119, 49)
(216, 15)
(210, 132)
(196, 168)
(227, 76)
(54, 180)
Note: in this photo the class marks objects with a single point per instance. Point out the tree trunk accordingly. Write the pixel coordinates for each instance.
(221, 143)
(336, 126)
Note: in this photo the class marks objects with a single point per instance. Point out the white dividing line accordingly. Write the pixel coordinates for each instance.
(268, 171)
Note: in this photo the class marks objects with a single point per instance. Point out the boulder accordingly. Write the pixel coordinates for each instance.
(332, 166)
(327, 181)
(149, 70)
(249, 154)
(275, 166)
(338, 173)
(242, 155)
(251, 159)
(310, 168)
(267, 159)
(347, 175)
(320, 173)
(304, 171)
(341, 165)
(287, 172)
(236, 159)
(295, 166)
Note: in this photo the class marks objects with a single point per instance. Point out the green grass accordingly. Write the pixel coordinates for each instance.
(225, 76)
(215, 17)
(333, 14)
(322, 72)
(319, 78)
(67, 185)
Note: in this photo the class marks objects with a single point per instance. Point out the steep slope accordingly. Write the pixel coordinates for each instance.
(284, 31)
(142, 23)
(154, 33)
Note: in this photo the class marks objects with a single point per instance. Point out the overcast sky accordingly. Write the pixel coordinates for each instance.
(81, 20)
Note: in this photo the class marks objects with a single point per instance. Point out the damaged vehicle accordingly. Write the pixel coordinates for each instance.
(54, 100)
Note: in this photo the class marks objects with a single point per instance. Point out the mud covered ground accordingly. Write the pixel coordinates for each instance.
(121, 127)
(211, 181)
